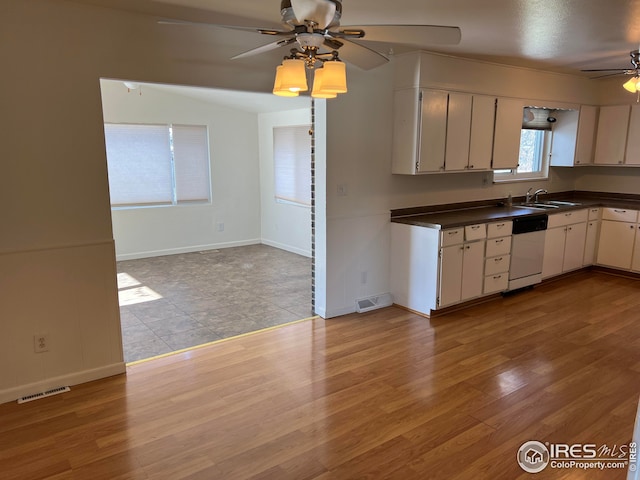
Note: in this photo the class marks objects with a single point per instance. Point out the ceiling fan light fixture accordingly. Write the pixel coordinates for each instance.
(277, 85)
(631, 85)
(334, 78)
(293, 76)
(318, 91)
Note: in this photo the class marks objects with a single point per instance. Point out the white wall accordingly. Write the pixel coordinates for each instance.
(235, 179)
(285, 226)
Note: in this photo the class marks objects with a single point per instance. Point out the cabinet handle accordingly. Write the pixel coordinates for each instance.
(500, 241)
(500, 225)
(470, 166)
(619, 211)
(475, 227)
(455, 232)
(568, 214)
(497, 259)
(569, 228)
(467, 247)
(632, 226)
(496, 277)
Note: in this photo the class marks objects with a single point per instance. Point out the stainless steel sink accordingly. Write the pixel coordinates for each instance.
(563, 203)
(545, 206)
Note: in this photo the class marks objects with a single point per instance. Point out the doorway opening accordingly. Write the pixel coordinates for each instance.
(195, 270)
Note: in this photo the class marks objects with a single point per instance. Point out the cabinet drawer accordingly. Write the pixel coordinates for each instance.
(452, 236)
(499, 229)
(496, 283)
(498, 246)
(475, 232)
(567, 218)
(620, 214)
(594, 213)
(497, 264)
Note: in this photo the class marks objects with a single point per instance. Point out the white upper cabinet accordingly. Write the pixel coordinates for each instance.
(458, 131)
(483, 114)
(613, 122)
(437, 131)
(506, 144)
(419, 131)
(573, 137)
(632, 156)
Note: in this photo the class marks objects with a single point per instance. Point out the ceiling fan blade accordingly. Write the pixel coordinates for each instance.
(361, 56)
(605, 70)
(321, 12)
(414, 35)
(265, 48)
(266, 31)
(617, 74)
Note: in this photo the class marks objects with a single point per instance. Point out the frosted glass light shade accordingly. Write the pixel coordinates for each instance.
(317, 91)
(277, 85)
(631, 85)
(334, 79)
(294, 76)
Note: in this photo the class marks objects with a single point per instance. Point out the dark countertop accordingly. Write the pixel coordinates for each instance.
(459, 215)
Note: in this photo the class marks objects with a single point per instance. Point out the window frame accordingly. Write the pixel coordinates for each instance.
(542, 150)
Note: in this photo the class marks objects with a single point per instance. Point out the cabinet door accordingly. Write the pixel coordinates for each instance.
(553, 251)
(613, 122)
(615, 246)
(586, 134)
(483, 115)
(506, 143)
(563, 140)
(632, 155)
(433, 131)
(574, 246)
(406, 118)
(635, 263)
(472, 270)
(458, 132)
(450, 275)
(591, 242)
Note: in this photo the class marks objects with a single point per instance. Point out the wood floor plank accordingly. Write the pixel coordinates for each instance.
(386, 394)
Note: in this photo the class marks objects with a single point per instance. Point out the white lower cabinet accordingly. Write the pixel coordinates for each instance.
(461, 268)
(564, 242)
(617, 238)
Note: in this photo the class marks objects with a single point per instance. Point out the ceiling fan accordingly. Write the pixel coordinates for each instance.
(633, 84)
(312, 28)
(635, 62)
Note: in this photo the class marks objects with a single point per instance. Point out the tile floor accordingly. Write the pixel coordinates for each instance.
(179, 301)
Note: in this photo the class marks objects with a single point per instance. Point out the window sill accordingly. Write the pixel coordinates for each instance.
(519, 180)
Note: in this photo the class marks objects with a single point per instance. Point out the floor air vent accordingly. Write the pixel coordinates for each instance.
(371, 303)
(48, 393)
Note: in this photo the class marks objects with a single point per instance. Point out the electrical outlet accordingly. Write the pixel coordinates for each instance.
(363, 278)
(41, 343)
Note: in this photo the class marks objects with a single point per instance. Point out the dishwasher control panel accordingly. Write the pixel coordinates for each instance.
(532, 223)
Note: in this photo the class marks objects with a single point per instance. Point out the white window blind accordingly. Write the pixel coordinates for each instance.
(157, 164)
(139, 164)
(191, 159)
(292, 163)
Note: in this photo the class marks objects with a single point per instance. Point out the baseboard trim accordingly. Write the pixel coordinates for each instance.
(288, 248)
(76, 378)
(191, 249)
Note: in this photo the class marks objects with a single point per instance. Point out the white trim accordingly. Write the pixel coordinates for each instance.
(76, 378)
(190, 249)
(338, 312)
(288, 248)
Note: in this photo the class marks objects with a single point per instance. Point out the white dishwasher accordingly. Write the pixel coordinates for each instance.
(527, 250)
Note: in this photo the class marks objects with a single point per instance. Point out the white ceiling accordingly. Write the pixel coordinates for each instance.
(558, 35)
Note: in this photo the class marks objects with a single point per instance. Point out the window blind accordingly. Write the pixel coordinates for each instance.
(292, 163)
(139, 164)
(191, 163)
(157, 164)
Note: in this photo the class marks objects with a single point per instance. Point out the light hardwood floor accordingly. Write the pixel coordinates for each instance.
(381, 395)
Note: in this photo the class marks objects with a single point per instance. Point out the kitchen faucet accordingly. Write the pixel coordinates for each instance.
(529, 196)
